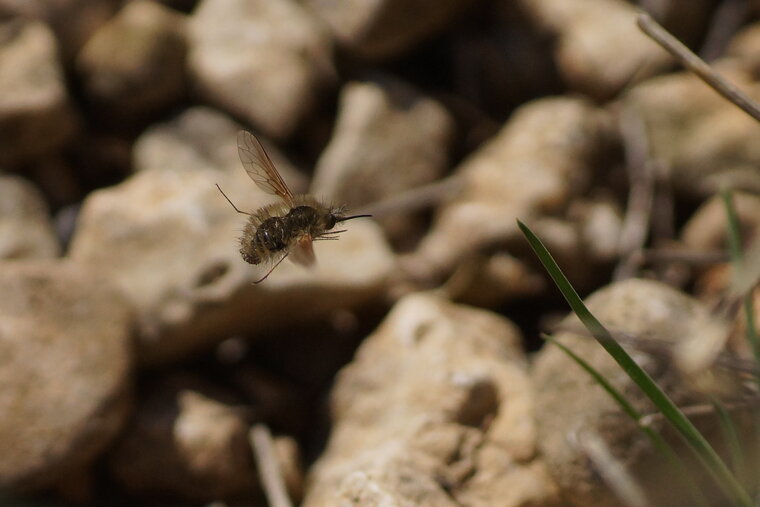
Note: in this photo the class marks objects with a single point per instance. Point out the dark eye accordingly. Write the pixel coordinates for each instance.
(331, 220)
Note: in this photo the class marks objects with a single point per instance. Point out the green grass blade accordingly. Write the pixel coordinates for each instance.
(714, 464)
(654, 436)
(733, 229)
(737, 260)
(625, 405)
(731, 437)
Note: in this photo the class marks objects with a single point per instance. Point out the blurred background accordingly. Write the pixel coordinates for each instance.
(140, 365)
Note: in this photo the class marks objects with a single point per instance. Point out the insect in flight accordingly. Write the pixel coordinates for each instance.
(286, 228)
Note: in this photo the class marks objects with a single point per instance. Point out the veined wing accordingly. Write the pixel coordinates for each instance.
(260, 168)
(302, 251)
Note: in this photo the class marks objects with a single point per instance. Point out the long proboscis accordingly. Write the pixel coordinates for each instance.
(343, 219)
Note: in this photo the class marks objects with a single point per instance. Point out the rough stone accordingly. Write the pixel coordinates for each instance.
(186, 441)
(35, 114)
(288, 457)
(687, 20)
(706, 229)
(26, 231)
(490, 281)
(385, 28)
(388, 139)
(540, 161)
(66, 356)
(745, 44)
(599, 49)
(135, 63)
(705, 141)
(72, 21)
(200, 138)
(433, 399)
(264, 60)
(168, 239)
(675, 339)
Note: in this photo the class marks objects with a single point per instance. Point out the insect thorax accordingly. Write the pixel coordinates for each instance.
(271, 229)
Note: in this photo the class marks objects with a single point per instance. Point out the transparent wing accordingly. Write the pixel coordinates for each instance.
(302, 251)
(260, 168)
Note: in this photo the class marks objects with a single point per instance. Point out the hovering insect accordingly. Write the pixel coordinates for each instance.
(286, 228)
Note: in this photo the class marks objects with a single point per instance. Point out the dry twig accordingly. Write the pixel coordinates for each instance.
(414, 199)
(698, 66)
(729, 15)
(612, 470)
(635, 228)
(269, 468)
(682, 255)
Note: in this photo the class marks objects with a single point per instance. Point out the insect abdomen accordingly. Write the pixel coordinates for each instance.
(272, 235)
(269, 237)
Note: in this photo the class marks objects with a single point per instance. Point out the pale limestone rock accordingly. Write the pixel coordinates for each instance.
(72, 21)
(388, 139)
(66, 349)
(379, 29)
(135, 63)
(707, 228)
(267, 61)
(35, 113)
(599, 49)
(433, 399)
(703, 140)
(539, 162)
(189, 441)
(26, 231)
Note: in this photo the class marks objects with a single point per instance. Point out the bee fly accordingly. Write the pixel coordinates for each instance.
(285, 228)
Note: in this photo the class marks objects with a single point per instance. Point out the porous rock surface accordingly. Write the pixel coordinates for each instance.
(435, 409)
(379, 29)
(187, 439)
(539, 161)
(35, 112)
(134, 64)
(265, 60)
(388, 139)
(26, 231)
(66, 358)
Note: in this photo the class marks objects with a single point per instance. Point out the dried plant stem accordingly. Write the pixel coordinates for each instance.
(704, 409)
(611, 469)
(269, 468)
(635, 229)
(415, 199)
(698, 66)
(728, 16)
(691, 257)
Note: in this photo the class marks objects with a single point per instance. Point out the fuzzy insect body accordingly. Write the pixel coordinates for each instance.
(277, 228)
(285, 228)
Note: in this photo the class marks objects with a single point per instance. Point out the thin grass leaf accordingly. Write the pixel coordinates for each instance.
(696, 441)
(731, 437)
(733, 230)
(625, 405)
(654, 436)
(737, 260)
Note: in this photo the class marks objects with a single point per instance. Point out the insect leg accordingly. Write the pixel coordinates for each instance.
(270, 271)
(332, 233)
(228, 200)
